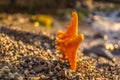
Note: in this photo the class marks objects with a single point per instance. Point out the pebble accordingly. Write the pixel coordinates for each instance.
(64, 73)
(46, 45)
(20, 78)
(26, 72)
(39, 68)
(42, 76)
(5, 69)
(32, 72)
(34, 78)
(11, 76)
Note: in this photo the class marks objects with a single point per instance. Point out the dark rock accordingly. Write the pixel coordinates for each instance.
(98, 35)
(39, 68)
(100, 52)
(32, 72)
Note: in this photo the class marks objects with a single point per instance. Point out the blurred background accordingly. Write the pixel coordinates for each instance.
(54, 6)
(34, 9)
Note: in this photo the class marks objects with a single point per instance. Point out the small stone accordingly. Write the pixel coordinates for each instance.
(11, 75)
(6, 69)
(46, 45)
(98, 35)
(98, 79)
(32, 72)
(1, 65)
(48, 50)
(39, 69)
(16, 74)
(64, 73)
(34, 78)
(20, 78)
(26, 72)
(43, 76)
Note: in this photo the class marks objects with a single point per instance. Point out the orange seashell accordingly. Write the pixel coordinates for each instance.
(68, 42)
